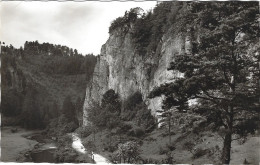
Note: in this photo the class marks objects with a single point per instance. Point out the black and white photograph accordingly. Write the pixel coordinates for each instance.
(130, 82)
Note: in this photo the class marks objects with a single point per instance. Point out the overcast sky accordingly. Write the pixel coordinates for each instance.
(79, 25)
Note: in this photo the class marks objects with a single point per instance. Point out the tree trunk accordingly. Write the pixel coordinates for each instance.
(169, 130)
(225, 158)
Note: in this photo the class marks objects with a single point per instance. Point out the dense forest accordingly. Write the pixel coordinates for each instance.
(42, 81)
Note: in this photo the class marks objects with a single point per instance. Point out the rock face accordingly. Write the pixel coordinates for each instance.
(121, 68)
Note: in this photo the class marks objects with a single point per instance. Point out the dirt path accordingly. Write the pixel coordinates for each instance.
(12, 144)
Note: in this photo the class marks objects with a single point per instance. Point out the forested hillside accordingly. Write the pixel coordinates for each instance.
(177, 84)
(40, 80)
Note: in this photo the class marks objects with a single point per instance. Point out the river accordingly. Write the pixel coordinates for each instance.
(16, 146)
(78, 146)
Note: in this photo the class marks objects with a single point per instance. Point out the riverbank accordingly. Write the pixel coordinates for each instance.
(15, 145)
(31, 146)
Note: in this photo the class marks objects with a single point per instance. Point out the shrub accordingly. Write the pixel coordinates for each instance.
(129, 152)
(169, 159)
(242, 140)
(136, 132)
(130, 106)
(163, 151)
(171, 146)
(139, 132)
(111, 148)
(64, 141)
(189, 146)
(150, 161)
(63, 124)
(150, 139)
(130, 16)
(84, 131)
(133, 100)
(114, 158)
(90, 146)
(245, 162)
(199, 153)
(167, 134)
(124, 127)
(106, 115)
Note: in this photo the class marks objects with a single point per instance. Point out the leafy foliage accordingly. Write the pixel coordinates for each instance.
(127, 152)
(134, 109)
(90, 146)
(131, 105)
(221, 71)
(199, 153)
(107, 114)
(189, 146)
(148, 28)
(126, 20)
(133, 121)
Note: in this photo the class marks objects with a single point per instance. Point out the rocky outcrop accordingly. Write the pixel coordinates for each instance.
(121, 68)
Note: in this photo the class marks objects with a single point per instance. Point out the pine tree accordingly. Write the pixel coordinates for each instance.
(220, 71)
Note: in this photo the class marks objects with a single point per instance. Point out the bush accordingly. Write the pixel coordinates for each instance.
(171, 146)
(106, 115)
(114, 158)
(150, 139)
(139, 132)
(63, 124)
(189, 146)
(90, 146)
(169, 159)
(64, 141)
(129, 152)
(136, 132)
(167, 134)
(124, 127)
(242, 140)
(130, 106)
(111, 148)
(84, 131)
(199, 153)
(130, 16)
(133, 100)
(163, 151)
(150, 161)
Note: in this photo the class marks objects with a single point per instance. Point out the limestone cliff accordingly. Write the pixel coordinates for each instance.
(121, 68)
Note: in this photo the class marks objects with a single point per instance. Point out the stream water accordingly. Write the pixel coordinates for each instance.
(78, 146)
(46, 152)
(44, 156)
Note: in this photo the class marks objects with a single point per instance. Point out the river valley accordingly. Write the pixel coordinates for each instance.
(30, 146)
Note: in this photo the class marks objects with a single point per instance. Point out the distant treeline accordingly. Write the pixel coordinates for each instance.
(56, 59)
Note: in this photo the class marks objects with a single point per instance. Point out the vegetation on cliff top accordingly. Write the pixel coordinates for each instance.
(147, 29)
